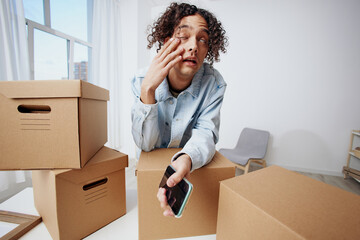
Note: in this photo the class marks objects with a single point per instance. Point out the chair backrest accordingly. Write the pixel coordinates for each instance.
(254, 142)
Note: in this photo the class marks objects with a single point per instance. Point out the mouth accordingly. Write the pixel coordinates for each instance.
(190, 61)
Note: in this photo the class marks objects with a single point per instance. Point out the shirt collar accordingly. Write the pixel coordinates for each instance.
(193, 89)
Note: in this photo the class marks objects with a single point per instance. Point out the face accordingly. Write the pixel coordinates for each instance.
(193, 34)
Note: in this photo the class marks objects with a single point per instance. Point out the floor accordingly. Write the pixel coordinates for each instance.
(349, 184)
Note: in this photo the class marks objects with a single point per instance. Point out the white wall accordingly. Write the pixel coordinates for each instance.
(292, 68)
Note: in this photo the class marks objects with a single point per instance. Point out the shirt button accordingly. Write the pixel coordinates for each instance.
(171, 102)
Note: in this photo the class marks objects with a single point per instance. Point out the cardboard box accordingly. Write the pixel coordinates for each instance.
(274, 203)
(75, 203)
(51, 124)
(199, 217)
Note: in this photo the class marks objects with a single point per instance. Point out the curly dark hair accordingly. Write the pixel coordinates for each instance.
(165, 25)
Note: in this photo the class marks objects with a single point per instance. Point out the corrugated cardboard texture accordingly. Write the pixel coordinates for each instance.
(66, 135)
(274, 203)
(199, 217)
(71, 209)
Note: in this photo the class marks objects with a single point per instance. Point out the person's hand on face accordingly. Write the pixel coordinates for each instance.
(182, 166)
(165, 59)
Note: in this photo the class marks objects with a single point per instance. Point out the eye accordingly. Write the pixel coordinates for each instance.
(203, 40)
(183, 36)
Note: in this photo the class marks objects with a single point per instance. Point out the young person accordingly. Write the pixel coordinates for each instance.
(178, 98)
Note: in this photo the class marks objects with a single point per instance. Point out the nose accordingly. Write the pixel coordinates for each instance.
(192, 47)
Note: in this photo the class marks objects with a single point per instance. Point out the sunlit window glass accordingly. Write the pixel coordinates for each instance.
(70, 20)
(50, 56)
(34, 10)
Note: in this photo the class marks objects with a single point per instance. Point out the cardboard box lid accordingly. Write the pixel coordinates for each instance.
(52, 89)
(311, 208)
(105, 161)
(154, 160)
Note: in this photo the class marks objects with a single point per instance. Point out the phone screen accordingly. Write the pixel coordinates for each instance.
(178, 195)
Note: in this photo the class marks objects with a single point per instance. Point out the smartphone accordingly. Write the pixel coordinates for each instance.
(177, 196)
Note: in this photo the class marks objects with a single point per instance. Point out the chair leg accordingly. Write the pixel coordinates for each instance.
(261, 162)
(264, 163)
(246, 170)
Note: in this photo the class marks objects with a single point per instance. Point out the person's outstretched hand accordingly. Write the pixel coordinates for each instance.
(182, 166)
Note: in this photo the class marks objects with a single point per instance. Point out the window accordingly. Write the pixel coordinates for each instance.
(81, 61)
(59, 38)
(50, 56)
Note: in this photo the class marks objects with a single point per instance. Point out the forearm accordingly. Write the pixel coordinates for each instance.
(145, 128)
(200, 148)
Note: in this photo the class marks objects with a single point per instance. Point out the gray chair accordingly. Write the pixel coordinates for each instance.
(251, 147)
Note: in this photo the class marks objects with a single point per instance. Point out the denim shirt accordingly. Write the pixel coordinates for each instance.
(190, 121)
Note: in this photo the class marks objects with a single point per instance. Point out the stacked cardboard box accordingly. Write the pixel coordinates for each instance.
(74, 203)
(63, 125)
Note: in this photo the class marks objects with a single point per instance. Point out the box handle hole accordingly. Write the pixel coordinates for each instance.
(95, 184)
(44, 109)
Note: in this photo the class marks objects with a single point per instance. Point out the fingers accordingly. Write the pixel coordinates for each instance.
(161, 195)
(166, 44)
(176, 178)
(171, 59)
(183, 166)
(172, 63)
(168, 213)
(167, 49)
(169, 55)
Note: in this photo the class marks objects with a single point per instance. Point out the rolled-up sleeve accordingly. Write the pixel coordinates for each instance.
(144, 117)
(205, 133)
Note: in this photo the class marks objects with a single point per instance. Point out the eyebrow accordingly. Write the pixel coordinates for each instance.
(188, 26)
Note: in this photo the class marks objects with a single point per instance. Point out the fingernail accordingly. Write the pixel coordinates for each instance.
(171, 183)
(171, 39)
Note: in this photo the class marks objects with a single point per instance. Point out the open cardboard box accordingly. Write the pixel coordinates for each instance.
(199, 217)
(75, 203)
(274, 203)
(51, 124)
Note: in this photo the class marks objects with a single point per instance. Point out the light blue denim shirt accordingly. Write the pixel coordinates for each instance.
(190, 121)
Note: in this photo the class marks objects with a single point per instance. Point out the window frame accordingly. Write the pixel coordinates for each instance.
(69, 39)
